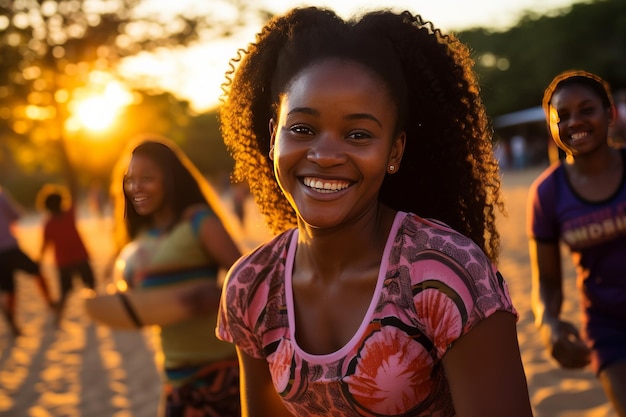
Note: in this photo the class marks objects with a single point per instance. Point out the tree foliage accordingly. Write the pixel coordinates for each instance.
(516, 65)
(49, 50)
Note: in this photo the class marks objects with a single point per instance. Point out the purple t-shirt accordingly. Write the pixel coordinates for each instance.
(595, 233)
(434, 285)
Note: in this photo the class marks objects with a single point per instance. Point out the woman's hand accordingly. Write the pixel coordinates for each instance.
(565, 345)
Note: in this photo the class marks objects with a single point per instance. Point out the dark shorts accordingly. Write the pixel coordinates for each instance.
(82, 269)
(214, 393)
(14, 260)
(607, 337)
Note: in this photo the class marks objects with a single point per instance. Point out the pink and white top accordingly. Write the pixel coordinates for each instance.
(434, 285)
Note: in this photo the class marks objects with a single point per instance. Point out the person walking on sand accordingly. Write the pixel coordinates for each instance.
(366, 146)
(581, 202)
(60, 232)
(13, 259)
(176, 241)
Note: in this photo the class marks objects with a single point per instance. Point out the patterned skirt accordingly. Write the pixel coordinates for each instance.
(213, 393)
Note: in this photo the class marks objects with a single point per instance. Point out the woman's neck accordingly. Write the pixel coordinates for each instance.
(355, 245)
(603, 160)
(163, 219)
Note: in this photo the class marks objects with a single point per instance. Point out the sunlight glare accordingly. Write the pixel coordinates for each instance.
(95, 113)
(96, 108)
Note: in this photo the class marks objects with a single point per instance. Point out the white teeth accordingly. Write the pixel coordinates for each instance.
(325, 186)
(139, 199)
(579, 135)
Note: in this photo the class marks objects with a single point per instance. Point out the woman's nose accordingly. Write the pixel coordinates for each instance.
(574, 118)
(327, 150)
(131, 186)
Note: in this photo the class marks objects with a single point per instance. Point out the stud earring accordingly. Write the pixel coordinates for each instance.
(392, 168)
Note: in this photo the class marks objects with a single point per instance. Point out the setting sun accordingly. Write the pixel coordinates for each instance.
(96, 107)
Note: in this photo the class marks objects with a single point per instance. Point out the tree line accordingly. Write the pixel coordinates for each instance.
(48, 49)
(515, 65)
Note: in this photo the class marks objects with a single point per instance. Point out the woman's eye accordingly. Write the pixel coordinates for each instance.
(359, 135)
(301, 130)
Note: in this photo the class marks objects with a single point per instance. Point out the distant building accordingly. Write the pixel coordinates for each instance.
(530, 125)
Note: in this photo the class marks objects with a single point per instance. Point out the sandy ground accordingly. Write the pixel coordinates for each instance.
(87, 370)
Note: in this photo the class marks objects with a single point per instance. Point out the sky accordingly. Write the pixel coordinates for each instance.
(196, 73)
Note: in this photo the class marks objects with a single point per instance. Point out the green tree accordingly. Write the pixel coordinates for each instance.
(49, 50)
(515, 65)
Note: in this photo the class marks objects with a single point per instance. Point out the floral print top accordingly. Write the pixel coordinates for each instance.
(434, 285)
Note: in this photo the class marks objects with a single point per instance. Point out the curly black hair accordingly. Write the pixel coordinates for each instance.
(448, 170)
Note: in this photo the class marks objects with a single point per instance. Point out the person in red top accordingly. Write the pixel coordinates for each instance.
(60, 231)
(70, 253)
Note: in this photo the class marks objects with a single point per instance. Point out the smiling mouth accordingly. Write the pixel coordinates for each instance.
(579, 135)
(325, 186)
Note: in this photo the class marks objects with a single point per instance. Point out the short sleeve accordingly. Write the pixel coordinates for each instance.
(233, 320)
(454, 285)
(197, 216)
(452, 297)
(252, 311)
(541, 221)
(7, 207)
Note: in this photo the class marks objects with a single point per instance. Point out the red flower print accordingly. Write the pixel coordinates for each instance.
(387, 379)
(280, 366)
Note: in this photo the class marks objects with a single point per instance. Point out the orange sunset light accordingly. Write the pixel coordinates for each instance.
(97, 106)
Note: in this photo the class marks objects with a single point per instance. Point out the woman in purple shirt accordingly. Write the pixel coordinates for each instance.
(581, 202)
(13, 259)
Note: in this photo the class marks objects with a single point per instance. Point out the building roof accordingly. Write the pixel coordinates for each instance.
(530, 115)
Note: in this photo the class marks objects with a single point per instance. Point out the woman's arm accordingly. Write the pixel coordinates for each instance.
(547, 286)
(560, 337)
(258, 396)
(154, 306)
(218, 243)
(485, 371)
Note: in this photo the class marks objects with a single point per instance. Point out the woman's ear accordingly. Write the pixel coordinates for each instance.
(272, 127)
(397, 150)
(612, 115)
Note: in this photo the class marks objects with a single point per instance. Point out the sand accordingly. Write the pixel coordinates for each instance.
(88, 370)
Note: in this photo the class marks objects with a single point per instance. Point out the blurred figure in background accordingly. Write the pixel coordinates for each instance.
(60, 233)
(519, 151)
(501, 153)
(97, 199)
(13, 259)
(176, 241)
(581, 201)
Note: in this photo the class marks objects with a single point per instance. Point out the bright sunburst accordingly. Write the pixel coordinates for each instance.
(97, 106)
